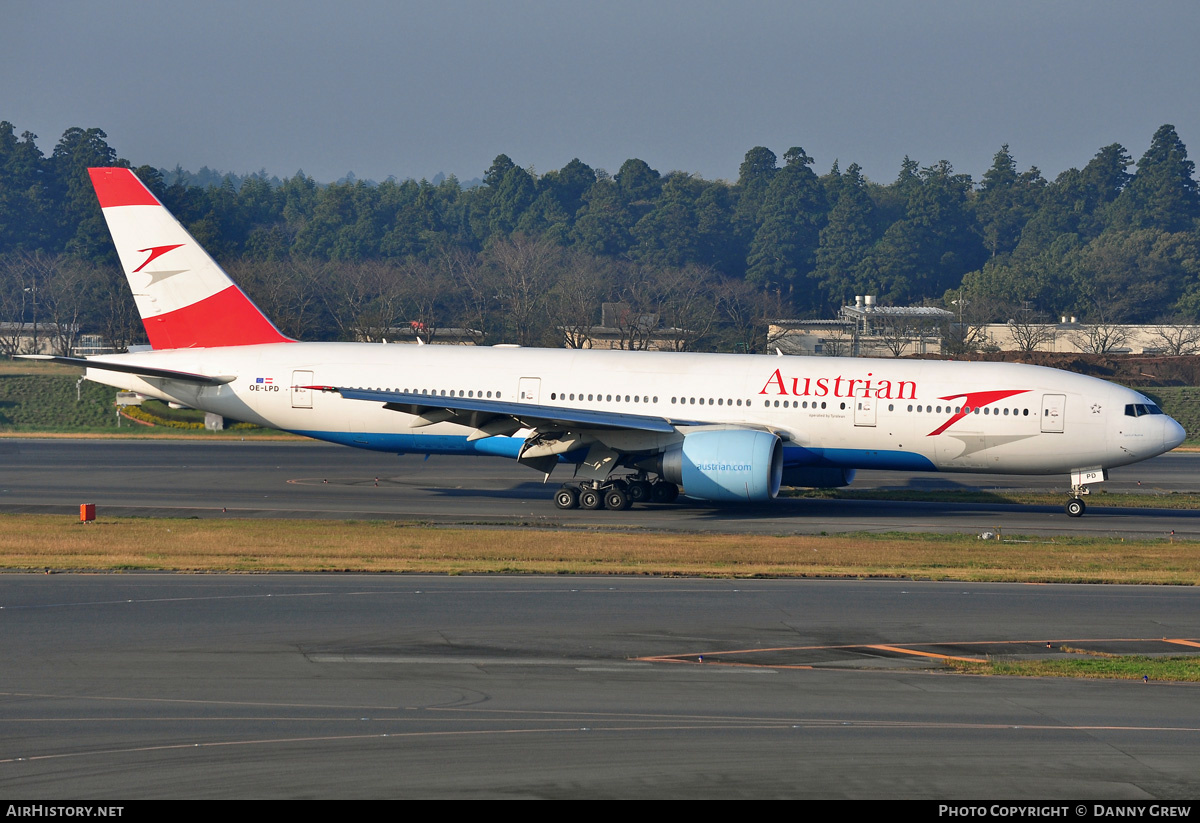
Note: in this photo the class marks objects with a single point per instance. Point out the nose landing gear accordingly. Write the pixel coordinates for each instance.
(1075, 506)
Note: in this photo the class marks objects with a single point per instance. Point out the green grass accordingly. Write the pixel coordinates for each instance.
(1108, 667)
(49, 402)
(48, 398)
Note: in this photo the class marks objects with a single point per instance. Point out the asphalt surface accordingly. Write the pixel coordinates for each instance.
(327, 686)
(119, 687)
(314, 480)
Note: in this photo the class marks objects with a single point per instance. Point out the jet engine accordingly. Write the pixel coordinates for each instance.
(734, 465)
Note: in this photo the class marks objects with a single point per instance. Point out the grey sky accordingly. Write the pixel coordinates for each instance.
(413, 88)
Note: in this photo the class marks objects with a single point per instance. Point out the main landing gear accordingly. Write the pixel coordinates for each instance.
(617, 494)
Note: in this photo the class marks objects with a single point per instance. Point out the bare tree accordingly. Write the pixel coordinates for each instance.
(363, 299)
(748, 312)
(287, 292)
(473, 298)
(1102, 337)
(65, 292)
(687, 311)
(50, 295)
(12, 307)
(574, 300)
(1103, 334)
(28, 272)
(895, 332)
(386, 307)
(838, 342)
(120, 324)
(427, 294)
(1029, 329)
(1177, 337)
(634, 315)
(969, 333)
(525, 269)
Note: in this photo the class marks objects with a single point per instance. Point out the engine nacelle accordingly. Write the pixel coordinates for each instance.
(733, 465)
(817, 477)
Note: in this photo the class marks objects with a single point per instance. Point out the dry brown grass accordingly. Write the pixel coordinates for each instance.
(36, 542)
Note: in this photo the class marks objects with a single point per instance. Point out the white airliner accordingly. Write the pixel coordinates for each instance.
(634, 426)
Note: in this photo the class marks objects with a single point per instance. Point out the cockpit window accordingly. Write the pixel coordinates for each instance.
(1139, 409)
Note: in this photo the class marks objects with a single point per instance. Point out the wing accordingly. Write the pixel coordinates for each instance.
(554, 430)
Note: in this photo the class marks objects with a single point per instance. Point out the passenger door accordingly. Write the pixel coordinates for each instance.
(529, 389)
(1054, 409)
(301, 397)
(864, 411)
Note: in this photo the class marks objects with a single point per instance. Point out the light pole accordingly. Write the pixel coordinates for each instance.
(32, 290)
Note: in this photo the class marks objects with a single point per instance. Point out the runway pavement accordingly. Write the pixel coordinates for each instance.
(118, 687)
(308, 479)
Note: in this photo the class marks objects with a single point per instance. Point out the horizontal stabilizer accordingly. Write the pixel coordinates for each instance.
(133, 368)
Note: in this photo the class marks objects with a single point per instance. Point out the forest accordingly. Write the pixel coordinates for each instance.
(528, 257)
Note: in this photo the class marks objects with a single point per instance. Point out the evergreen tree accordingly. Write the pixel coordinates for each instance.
(667, 235)
(638, 185)
(26, 210)
(792, 215)
(846, 241)
(81, 226)
(1162, 194)
(603, 225)
(1005, 202)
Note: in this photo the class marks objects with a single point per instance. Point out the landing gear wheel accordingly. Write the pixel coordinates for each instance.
(616, 500)
(566, 498)
(639, 491)
(1075, 507)
(664, 492)
(590, 499)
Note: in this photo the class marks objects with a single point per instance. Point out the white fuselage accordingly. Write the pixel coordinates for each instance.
(830, 412)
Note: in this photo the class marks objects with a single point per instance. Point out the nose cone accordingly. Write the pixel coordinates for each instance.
(1173, 434)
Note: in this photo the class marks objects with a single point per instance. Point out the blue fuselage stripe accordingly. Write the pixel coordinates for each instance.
(510, 446)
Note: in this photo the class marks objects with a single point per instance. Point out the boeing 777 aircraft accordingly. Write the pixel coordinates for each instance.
(634, 426)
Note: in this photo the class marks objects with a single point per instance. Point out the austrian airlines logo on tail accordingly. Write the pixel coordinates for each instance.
(155, 253)
(972, 401)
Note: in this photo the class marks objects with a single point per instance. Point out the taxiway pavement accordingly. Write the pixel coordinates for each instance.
(328, 686)
(314, 480)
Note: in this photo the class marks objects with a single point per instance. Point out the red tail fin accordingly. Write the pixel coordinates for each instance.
(185, 299)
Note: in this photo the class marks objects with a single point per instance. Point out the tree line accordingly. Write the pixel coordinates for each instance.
(528, 258)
